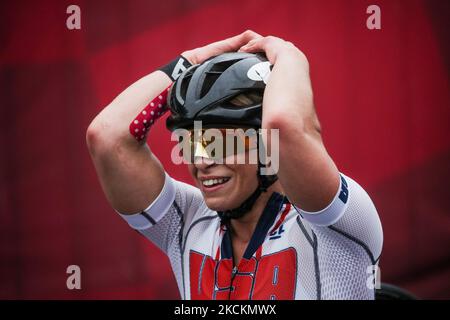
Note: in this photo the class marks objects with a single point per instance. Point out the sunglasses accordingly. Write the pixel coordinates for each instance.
(217, 144)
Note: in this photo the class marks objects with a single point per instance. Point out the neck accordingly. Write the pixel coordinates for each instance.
(242, 229)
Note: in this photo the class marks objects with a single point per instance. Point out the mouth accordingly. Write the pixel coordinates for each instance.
(209, 184)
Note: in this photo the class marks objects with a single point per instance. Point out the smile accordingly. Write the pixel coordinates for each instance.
(214, 182)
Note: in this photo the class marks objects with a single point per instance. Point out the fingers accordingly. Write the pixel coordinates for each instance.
(263, 43)
(258, 45)
(249, 35)
(232, 44)
(270, 45)
(252, 45)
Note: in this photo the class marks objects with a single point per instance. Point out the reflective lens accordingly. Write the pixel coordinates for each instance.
(217, 144)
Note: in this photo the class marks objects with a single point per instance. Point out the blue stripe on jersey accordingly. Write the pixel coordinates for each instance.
(266, 220)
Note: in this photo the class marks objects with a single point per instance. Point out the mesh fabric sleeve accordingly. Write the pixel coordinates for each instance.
(349, 240)
(165, 219)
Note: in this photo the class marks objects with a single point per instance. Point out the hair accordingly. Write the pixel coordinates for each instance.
(247, 99)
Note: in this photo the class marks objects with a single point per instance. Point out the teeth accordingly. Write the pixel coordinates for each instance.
(212, 182)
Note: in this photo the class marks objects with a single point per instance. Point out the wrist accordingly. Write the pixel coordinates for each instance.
(174, 68)
(155, 109)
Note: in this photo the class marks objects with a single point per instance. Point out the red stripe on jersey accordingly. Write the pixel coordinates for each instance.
(283, 216)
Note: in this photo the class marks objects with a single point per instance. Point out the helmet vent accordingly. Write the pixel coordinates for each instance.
(210, 78)
(185, 84)
(224, 65)
(213, 74)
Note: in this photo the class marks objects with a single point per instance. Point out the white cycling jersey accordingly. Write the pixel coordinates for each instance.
(293, 254)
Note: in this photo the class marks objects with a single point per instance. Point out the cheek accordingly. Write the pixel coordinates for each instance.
(244, 158)
(192, 170)
(246, 174)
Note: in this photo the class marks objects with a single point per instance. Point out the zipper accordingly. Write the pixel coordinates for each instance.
(234, 271)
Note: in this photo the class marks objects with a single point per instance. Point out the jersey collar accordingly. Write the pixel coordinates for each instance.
(266, 220)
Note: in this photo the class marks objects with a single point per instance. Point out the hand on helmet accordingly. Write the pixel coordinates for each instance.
(273, 47)
(198, 55)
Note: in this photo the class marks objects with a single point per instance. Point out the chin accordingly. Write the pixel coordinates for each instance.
(217, 204)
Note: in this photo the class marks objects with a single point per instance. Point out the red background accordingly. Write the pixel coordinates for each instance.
(382, 97)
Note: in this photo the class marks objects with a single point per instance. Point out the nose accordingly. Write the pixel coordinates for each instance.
(201, 157)
(202, 163)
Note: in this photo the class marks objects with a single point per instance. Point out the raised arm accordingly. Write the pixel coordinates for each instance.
(130, 175)
(306, 171)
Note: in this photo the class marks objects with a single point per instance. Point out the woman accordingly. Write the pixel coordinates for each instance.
(303, 232)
